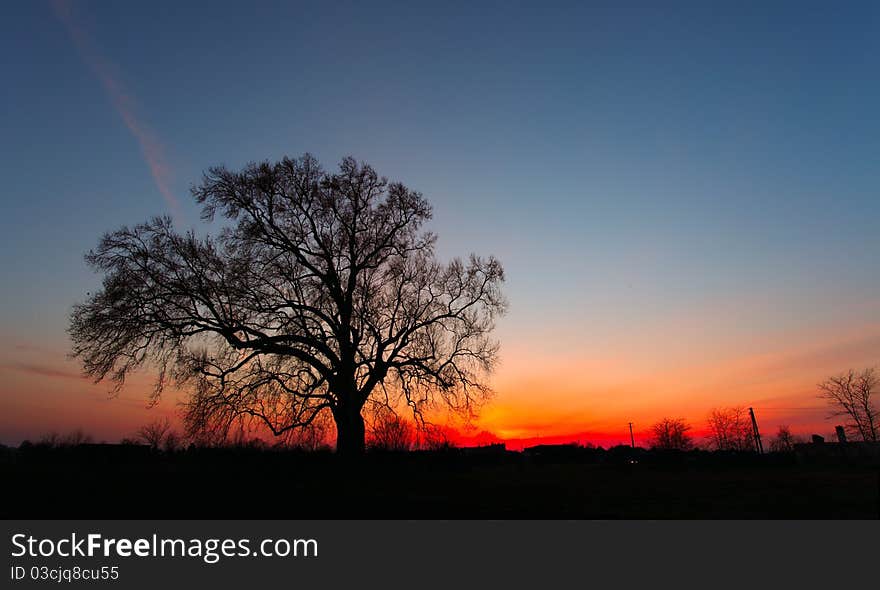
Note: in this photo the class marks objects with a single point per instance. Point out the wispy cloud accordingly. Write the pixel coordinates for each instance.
(43, 370)
(122, 101)
(24, 347)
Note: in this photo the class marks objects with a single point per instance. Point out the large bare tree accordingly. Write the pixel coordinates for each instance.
(322, 293)
(854, 395)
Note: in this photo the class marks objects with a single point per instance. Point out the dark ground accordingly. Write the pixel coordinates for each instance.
(98, 482)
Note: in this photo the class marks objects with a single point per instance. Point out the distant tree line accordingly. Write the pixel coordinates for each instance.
(729, 429)
(852, 394)
(388, 432)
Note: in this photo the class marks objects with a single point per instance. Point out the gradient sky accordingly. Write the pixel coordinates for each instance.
(684, 195)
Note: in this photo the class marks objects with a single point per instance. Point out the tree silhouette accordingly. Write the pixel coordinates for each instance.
(321, 293)
(853, 395)
(74, 438)
(784, 441)
(390, 432)
(316, 436)
(155, 433)
(671, 434)
(730, 429)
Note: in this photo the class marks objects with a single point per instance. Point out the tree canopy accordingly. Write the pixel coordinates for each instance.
(671, 434)
(853, 394)
(322, 293)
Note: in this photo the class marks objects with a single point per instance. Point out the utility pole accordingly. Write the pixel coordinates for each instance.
(758, 446)
(632, 441)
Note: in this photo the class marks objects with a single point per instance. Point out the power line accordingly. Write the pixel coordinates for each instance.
(808, 409)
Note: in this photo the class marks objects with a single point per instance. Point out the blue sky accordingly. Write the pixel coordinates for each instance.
(634, 164)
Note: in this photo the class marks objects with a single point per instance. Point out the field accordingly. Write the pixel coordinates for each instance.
(243, 483)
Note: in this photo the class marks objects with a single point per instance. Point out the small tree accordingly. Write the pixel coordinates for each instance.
(390, 432)
(853, 394)
(72, 439)
(671, 434)
(784, 441)
(76, 438)
(155, 433)
(172, 442)
(432, 437)
(730, 429)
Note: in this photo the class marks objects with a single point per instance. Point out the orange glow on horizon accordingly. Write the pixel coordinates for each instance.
(551, 398)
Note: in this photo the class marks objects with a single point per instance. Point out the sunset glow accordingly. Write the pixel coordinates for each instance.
(674, 240)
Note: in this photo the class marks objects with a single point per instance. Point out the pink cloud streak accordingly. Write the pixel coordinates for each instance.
(43, 370)
(154, 154)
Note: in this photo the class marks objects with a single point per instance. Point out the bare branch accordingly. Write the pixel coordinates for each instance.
(322, 293)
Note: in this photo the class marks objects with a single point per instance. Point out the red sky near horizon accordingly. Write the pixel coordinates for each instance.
(542, 396)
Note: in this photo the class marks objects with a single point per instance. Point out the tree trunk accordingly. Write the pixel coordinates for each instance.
(350, 431)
